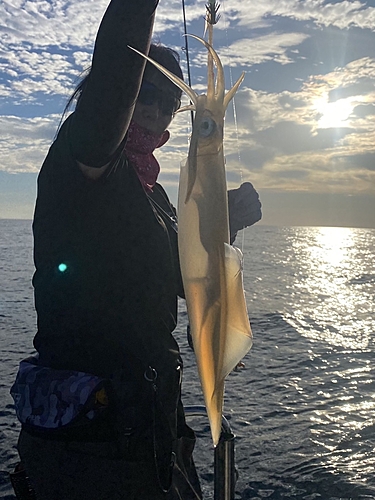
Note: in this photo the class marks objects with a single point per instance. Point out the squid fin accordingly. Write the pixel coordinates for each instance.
(239, 336)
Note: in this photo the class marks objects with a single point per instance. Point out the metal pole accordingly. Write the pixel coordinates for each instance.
(225, 470)
(225, 474)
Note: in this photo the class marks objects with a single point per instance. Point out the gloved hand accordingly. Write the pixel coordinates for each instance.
(244, 208)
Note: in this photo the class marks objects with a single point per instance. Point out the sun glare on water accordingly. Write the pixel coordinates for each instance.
(329, 267)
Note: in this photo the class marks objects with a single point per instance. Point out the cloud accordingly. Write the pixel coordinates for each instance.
(31, 71)
(43, 24)
(320, 171)
(283, 146)
(343, 14)
(270, 47)
(364, 110)
(45, 45)
(356, 80)
(24, 142)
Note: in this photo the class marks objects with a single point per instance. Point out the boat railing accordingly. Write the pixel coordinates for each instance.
(225, 474)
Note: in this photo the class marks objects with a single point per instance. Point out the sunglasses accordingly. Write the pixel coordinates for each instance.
(149, 94)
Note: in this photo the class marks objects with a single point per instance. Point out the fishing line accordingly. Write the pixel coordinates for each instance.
(234, 117)
(186, 50)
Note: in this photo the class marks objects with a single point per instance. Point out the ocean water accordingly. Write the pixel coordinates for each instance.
(303, 407)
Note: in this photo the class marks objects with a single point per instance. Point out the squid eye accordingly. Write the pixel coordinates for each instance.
(207, 127)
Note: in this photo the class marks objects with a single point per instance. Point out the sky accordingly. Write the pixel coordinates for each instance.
(301, 127)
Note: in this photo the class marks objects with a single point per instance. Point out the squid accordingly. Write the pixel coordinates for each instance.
(211, 268)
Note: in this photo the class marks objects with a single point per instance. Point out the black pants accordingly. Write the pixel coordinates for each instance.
(60, 470)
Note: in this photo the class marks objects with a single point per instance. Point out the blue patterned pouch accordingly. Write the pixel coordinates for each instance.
(47, 399)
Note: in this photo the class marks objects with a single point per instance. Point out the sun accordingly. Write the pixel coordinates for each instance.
(333, 114)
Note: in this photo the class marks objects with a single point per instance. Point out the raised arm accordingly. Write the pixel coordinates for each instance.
(99, 124)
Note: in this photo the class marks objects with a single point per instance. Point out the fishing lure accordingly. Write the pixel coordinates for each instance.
(211, 268)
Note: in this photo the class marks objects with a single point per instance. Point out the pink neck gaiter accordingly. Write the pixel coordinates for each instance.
(139, 147)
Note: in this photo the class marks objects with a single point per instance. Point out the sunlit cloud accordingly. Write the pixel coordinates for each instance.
(334, 114)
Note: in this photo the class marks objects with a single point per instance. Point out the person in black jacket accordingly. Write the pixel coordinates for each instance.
(100, 404)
